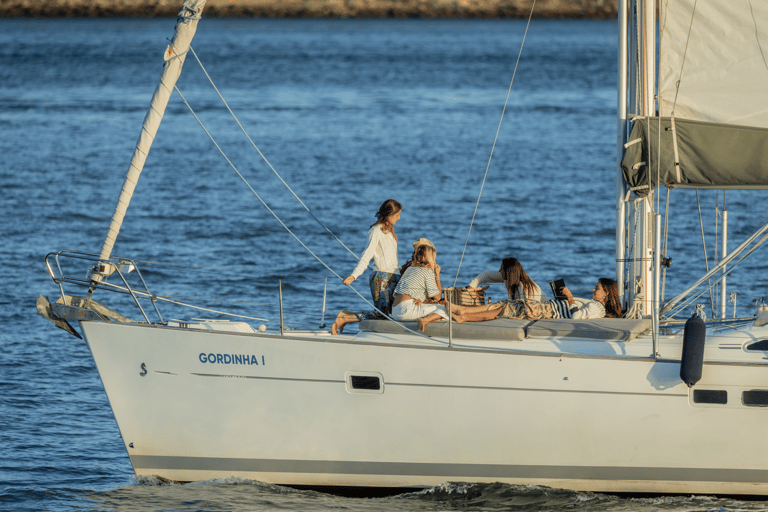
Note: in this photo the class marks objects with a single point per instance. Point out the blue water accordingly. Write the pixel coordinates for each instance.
(350, 113)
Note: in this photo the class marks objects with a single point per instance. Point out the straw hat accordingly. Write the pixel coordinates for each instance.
(423, 241)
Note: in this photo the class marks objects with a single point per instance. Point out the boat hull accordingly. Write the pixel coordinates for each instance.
(197, 405)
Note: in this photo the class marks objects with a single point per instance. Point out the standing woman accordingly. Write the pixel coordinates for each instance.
(382, 247)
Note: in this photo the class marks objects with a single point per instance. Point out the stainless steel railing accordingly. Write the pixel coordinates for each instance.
(106, 268)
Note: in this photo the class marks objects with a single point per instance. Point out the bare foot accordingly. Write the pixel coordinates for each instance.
(338, 325)
(423, 324)
(342, 319)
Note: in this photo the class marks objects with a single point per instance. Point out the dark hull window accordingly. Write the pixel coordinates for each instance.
(364, 382)
(759, 345)
(755, 398)
(710, 396)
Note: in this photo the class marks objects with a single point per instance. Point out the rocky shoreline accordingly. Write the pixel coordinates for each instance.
(565, 9)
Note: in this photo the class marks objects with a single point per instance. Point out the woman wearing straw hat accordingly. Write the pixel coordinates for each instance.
(418, 292)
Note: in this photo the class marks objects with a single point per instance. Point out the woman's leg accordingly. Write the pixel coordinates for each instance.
(476, 316)
(423, 322)
(475, 309)
(343, 319)
(383, 286)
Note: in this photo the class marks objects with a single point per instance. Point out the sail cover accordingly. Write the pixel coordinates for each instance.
(710, 155)
(718, 53)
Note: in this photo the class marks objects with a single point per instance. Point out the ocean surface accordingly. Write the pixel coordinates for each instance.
(349, 113)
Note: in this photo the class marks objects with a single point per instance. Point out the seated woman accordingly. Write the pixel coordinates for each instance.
(605, 303)
(519, 284)
(419, 290)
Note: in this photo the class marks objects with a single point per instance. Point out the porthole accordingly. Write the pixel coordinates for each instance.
(364, 382)
(755, 398)
(710, 396)
(758, 345)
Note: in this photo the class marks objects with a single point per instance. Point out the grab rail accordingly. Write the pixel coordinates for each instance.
(105, 268)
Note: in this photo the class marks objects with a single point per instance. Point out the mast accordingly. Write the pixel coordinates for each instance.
(647, 223)
(174, 56)
(621, 138)
(638, 209)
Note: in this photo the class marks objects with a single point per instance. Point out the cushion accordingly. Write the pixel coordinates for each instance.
(603, 329)
(499, 329)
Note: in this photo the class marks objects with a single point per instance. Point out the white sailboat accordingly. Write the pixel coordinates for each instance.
(593, 405)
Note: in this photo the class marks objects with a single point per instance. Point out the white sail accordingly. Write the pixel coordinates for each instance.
(725, 70)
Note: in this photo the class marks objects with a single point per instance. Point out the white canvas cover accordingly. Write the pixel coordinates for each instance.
(174, 56)
(725, 75)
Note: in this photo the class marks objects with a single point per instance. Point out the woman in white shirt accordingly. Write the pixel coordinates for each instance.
(519, 285)
(605, 301)
(382, 247)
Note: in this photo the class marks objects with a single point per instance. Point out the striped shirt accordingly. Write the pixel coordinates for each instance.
(418, 282)
(589, 309)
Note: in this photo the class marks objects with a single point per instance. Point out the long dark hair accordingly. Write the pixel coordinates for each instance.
(387, 208)
(513, 274)
(612, 299)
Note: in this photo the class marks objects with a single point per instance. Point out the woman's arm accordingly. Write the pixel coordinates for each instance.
(374, 235)
(590, 309)
(537, 293)
(432, 282)
(489, 276)
(436, 297)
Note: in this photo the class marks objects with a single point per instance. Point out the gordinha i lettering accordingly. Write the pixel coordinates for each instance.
(231, 359)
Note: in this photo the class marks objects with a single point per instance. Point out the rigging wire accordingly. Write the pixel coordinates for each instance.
(286, 227)
(706, 258)
(682, 64)
(198, 267)
(207, 269)
(208, 310)
(674, 134)
(487, 167)
(264, 157)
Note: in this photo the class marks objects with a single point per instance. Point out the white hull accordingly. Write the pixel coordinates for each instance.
(599, 416)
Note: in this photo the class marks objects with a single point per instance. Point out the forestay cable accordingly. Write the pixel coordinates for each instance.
(286, 227)
(488, 166)
(264, 157)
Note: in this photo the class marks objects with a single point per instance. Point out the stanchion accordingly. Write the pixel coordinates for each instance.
(450, 323)
(281, 306)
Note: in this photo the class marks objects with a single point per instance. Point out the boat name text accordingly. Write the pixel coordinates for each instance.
(230, 359)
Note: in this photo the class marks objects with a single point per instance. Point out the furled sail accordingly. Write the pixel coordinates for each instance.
(174, 60)
(713, 82)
